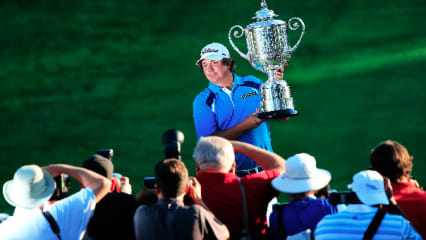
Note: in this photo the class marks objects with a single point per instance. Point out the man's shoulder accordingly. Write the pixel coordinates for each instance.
(85, 193)
(250, 78)
(146, 210)
(81, 201)
(261, 182)
(266, 175)
(203, 96)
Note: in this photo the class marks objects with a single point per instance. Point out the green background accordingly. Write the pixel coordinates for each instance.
(77, 76)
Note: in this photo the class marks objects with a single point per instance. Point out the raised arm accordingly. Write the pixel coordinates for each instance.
(266, 160)
(87, 179)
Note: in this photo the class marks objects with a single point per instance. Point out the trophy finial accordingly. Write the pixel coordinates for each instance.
(264, 13)
(263, 4)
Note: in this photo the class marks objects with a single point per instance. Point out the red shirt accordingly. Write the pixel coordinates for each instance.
(222, 194)
(412, 201)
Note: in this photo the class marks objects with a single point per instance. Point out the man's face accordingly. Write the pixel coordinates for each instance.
(215, 71)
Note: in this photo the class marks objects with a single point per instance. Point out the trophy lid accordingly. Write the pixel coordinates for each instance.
(264, 13)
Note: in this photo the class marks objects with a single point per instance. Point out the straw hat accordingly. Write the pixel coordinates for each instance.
(30, 187)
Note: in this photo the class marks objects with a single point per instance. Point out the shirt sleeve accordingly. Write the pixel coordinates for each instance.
(204, 116)
(207, 226)
(408, 231)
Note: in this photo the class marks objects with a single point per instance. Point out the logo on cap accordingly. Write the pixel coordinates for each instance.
(209, 50)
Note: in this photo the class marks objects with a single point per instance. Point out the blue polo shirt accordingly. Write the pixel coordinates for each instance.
(217, 109)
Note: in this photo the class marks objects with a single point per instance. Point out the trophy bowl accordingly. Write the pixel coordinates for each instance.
(268, 51)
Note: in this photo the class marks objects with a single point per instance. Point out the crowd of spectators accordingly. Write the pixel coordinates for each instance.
(216, 203)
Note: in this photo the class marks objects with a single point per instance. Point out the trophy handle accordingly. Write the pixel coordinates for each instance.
(237, 35)
(295, 26)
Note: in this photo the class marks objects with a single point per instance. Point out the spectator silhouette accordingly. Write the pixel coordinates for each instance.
(32, 187)
(356, 221)
(113, 216)
(392, 160)
(301, 181)
(215, 166)
(169, 218)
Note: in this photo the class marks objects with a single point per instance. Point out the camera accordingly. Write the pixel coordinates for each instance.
(106, 153)
(172, 139)
(344, 197)
(62, 185)
(149, 182)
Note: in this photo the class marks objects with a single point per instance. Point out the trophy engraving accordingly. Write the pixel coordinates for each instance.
(268, 51)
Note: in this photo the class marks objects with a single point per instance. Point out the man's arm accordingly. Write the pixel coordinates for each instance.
(266, 160)
(87, 179)
(236, 131)
(196, 189)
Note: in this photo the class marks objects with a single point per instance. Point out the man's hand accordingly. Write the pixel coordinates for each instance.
(196, 190)
(279, 74)
(125, 185)
(252, 121)
(414, 181)
(283, 119)
(388, 190)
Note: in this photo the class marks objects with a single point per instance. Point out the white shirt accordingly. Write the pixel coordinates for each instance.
(72, 215)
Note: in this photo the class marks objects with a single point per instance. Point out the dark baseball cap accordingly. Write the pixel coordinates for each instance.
(100, 165)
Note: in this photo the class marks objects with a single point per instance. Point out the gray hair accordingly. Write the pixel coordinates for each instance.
(214, 152)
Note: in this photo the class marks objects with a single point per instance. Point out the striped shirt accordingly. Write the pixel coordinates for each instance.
(354, 220)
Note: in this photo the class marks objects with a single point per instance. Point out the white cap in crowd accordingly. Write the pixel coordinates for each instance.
(369, 187)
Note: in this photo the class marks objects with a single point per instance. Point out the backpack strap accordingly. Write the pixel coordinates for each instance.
(280, 223)
(374, 225)
(53, 224)
(245, 231)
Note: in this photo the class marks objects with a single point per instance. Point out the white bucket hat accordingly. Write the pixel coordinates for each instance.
(369, 187)
(214, 51)
(302, 175)
(30, 187)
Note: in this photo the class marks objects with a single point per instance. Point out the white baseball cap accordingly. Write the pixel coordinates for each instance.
(214, 51)
(369, 187)
(302, 175)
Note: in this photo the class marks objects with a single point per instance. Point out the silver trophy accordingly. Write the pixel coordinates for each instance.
(268, 51)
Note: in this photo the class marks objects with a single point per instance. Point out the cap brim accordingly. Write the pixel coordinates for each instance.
(215, 57)
(290, 185)
(373, 198)
(10, 193)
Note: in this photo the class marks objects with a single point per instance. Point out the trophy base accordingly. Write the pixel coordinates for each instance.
(278, 114)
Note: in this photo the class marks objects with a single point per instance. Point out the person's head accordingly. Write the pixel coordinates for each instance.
(30, 187)
(113, 217)
(369, 187)
(171, 178)
(216, 62)
(99, 164)
(301, 176)
(392, 160)
(214, 153)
